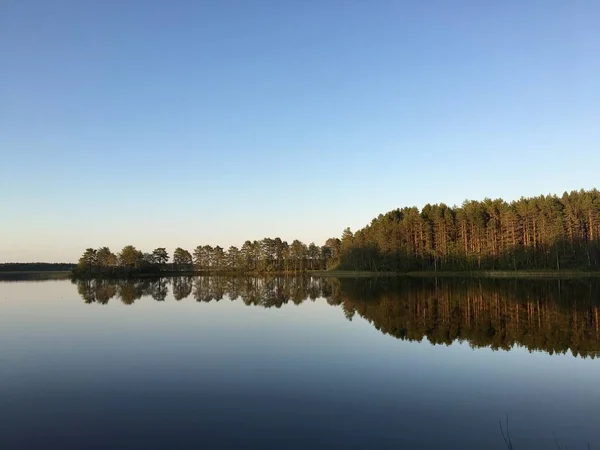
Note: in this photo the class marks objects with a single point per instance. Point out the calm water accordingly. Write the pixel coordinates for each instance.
(298, 363)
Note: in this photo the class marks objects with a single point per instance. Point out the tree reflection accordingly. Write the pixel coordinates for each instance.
(86, 290)
(159, 289)
(129, 292)
(182, 287)
(105, 291)
(99, 291)
(553, 316)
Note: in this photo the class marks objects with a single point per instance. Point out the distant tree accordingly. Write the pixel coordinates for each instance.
(232, 258)
(218, 258)
(268, 252)
(298, 253)
(130, 257)
(313, 255)
(182, 259)
(247, 256)
(88, 260)
(209, 255)
(106, 258)
(160, 256)
(147, 261)
(279, 248)
(326, 256)
(285, 254)
(347, 238)
(199, 258)
(332, 251)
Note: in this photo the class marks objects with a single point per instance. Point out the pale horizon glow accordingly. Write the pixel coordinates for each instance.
(189, 123)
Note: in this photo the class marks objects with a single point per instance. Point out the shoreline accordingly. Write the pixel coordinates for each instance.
(505, 274)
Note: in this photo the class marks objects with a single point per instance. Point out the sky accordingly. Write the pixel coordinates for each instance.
(180, 122)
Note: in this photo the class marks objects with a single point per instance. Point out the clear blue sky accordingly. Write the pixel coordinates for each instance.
(178, 123)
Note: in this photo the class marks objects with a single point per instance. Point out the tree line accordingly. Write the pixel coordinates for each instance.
(266, 255)
(36, 267)
(544, 232)
(553, 316)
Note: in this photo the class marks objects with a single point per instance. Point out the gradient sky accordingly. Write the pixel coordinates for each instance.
(178, 123)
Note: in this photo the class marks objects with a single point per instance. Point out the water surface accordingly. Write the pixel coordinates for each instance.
(298, 362)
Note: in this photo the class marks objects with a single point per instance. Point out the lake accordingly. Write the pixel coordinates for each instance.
(299, 362)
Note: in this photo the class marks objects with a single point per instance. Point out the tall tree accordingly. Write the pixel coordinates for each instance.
(106, 258)
(182, 259)
(200, 259)
(232, 258)
(247, 255)
(218, 258)
(160, 256)
(88, 260)
(313, 255)
(130, 257)
(297, 254)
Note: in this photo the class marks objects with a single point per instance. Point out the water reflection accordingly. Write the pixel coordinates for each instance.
(551, 316)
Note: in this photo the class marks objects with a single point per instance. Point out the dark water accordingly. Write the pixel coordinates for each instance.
(196, 363)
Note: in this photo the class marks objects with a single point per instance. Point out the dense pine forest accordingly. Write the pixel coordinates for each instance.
(544, 232)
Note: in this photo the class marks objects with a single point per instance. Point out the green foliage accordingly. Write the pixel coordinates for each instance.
(130, 257)
(129, 260)
(88, 260)
(182, 259)
(160, 256)
(106, 258)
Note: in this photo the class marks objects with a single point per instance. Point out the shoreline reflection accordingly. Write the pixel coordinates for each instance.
(552, 316)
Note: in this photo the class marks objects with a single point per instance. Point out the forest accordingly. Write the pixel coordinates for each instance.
(545, 232)
(552, 316)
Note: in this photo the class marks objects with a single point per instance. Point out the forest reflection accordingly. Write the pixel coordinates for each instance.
(553, 316)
